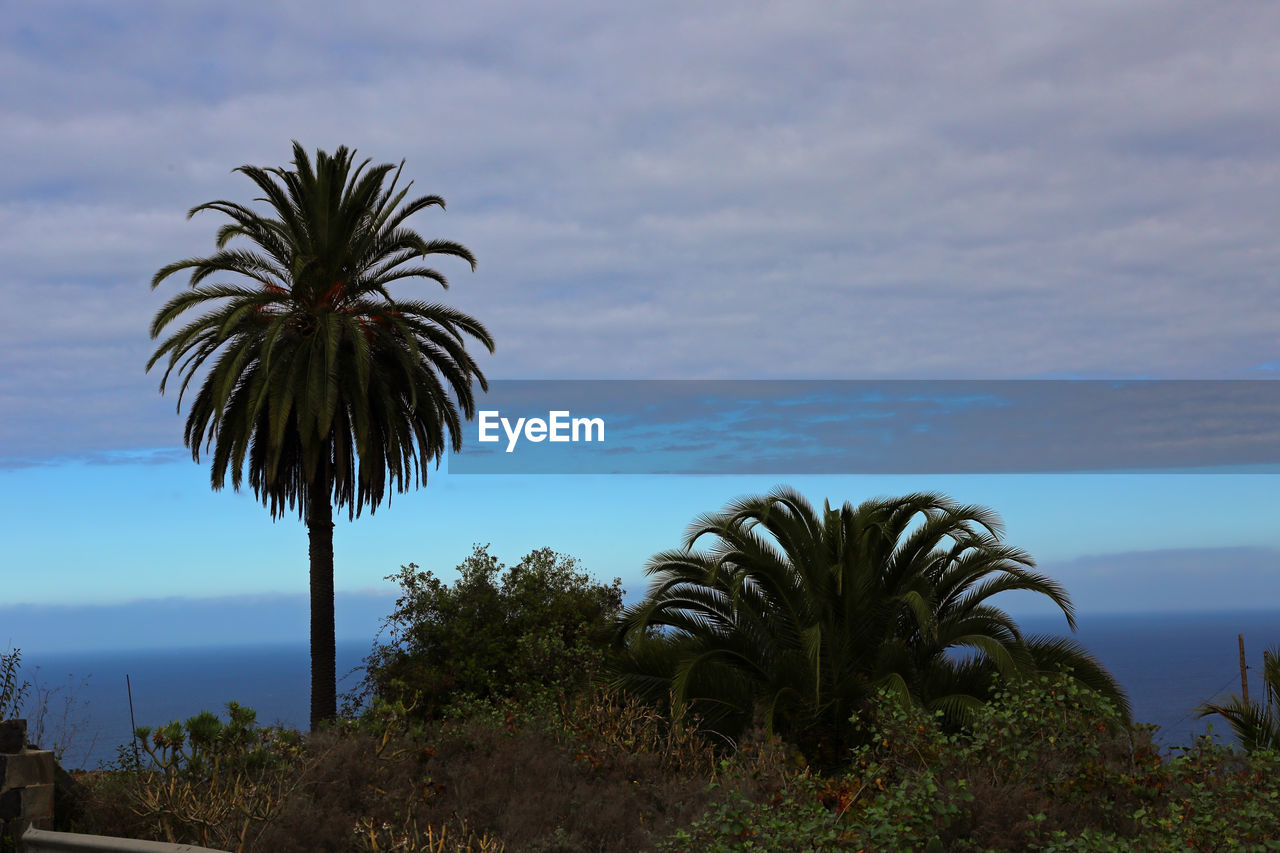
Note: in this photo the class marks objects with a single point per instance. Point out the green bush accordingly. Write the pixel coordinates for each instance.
(1044, 756)
(1047, 765)
(521, 635)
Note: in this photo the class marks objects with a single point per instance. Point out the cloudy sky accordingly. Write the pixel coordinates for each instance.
(755, 191)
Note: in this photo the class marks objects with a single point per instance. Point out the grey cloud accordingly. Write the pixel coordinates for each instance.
(994, 190)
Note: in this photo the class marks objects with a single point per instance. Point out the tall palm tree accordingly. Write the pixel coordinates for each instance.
(800, 616)
(326, 386)
(1256, 725)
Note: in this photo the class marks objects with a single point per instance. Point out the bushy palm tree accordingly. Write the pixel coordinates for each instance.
(800, 616)
(315, 378)
(1256, 725)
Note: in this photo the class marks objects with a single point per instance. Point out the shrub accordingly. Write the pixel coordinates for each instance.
(202, 781)
(604, 724)
(531, 783)
(600, 773)
(366, 788)
(1047, 765)
(522, 634)
(1045, 755)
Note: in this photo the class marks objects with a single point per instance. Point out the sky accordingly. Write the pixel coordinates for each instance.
(754, 191)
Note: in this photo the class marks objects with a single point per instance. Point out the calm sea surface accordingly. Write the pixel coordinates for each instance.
(172, 684)
(1167, 663)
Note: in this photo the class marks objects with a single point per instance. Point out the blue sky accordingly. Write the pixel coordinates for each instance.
(729, 191)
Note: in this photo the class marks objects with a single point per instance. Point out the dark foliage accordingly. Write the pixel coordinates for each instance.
(1045, 765)
(1256, 724)
(313, 377)
(797, 616)
(524, 634)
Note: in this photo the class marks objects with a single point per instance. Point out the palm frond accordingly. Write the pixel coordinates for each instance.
(805, 613)
(310, 377)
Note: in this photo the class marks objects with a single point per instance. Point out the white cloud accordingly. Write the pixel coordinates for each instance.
(791, 189)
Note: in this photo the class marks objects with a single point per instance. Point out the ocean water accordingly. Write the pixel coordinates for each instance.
(1171, 663)
(1168, 664)
(88, 709)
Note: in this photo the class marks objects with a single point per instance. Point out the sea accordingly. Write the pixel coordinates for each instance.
(1168, 663)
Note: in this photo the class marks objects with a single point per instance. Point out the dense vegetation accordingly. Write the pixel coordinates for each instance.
(523, 635)
(488, 721)
(798, 617)
(1046, 765)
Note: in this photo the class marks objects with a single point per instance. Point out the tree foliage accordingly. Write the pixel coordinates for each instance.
(799, 616)
(495, 634)
(315, 378)
(315, 369)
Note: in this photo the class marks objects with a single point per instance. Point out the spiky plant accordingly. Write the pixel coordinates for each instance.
(799, 616)
(315, 378)
(1256, 725)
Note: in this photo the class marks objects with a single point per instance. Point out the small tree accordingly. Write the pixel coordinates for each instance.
(534, 629)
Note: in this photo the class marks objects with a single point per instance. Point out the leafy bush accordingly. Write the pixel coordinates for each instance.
(1209, 797)
(522, 634)
(1045, 766)
(1044, 755)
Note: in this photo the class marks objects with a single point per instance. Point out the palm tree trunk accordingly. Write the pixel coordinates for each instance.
(324, 680)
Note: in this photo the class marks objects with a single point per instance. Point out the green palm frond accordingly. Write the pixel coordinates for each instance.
(305, 366)
(1256, 724)
(807, 613)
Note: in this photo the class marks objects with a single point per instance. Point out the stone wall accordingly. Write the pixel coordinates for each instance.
(26, 781)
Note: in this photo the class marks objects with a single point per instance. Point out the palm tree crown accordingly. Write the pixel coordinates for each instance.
(315, 357)
(314, 377)
(800, 616)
